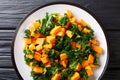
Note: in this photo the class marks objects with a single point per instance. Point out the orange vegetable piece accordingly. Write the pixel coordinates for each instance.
(73, 20)
(55, 30)
(78, 46)
(32, 47)
(78, 67)
(85, 63)
(69, 33)
(93, 66)
(64, 62)
(44, 55)
(82, 22)
(85, 30)
(90, 59)
(51, 39)
(37, 70)
(75, 76)
(48, 64)
(40, 41)
(73, 45)
(47, 46)
(69, 13)
(39, 47)
(56, 77)
(97, 49)
(45, 60)
(62, 32)
(89, 70)
(67, 25)
(37, 56)
(27, 41)
(36, 24)
(30, 56)
(79, 27)
(94, 41)
(63, 56)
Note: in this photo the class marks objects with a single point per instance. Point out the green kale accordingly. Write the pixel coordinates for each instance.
(83, 74)
(63, 43)
(52, 54)
(27, 51)
(47, 25)
(96, 62)
(27, 60)
(39, 76)
(63, 20)
(27, 33)
(75, 29)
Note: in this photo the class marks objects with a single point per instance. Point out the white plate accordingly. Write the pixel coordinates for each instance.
(18, 43)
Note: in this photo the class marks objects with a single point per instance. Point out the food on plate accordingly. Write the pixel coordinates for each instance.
(61, 47)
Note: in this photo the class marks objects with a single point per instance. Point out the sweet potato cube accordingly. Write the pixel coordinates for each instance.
(69, 33)
(47, 46)
(56, 77)
(64, 62)
(32, 28)
(69, 13)
(32, 47)
(97, 49)
(79, 27)
(36, 24)
(45, 60)
(75, 76)
(37, 56)
(63, 56)
(30, 56)
(85, 63)
(78, 46)
(85, 30)
(62, 32)
(44, 55)
(82, 22)
(94, 41)
(48, 64)
(73, 20)
(51, 39)
(37, 70)
(55, 30)
(40, 41)
(78, 67)
(89, 70)
(39, 47)
(90, 59)
(67, 25)
(73, 45)
(27, 41)
(37, 35)
(93, 66)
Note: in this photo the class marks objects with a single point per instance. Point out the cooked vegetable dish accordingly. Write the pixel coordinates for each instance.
(61, 47)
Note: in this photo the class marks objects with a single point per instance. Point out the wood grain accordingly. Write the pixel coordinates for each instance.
(13, 11)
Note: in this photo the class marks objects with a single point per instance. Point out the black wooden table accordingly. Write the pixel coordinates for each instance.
(13, 11)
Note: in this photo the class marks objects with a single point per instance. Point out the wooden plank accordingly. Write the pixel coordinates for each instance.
(111, 74)
(14, 11)
(5, 62)
(8, 74)
(6, 34)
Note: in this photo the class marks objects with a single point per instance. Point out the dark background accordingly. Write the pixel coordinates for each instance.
(13, 11)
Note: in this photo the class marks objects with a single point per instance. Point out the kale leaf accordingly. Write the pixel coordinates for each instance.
(63, 20)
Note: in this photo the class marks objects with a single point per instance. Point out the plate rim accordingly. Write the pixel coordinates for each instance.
(53, 3)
